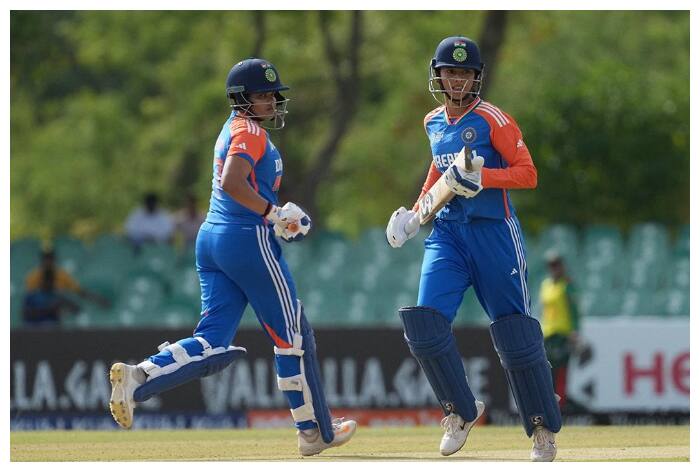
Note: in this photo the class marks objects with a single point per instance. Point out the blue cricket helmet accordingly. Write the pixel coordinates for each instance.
(254, 75)
(457, 51)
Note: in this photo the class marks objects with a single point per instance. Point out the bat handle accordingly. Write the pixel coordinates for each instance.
(413, 224)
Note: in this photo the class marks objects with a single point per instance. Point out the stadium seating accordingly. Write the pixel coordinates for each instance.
(70, 253)
(682, 245)
(602, 302)
(343, 283)
(24, 255)
(648, 241)
(562, 238)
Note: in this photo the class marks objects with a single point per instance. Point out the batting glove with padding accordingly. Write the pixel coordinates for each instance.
(291, 223)
(396, 233)
(463, 182)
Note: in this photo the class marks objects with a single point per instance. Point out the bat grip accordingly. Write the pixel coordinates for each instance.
(412, 224)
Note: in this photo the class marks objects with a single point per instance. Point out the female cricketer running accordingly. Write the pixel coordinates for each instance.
(239, 261)
(476, 242)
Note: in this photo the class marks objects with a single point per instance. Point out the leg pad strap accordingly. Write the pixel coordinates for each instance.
(305, 379)
(185, 367)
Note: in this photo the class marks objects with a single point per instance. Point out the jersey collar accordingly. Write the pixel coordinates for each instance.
(469, 108)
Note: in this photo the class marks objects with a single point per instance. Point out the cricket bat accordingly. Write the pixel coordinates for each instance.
(439, 194)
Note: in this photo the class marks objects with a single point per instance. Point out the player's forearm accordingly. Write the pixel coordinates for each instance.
(243, 193)
(234, 181)
(520, 177)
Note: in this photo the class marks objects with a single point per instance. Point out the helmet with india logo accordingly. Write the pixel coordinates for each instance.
(254, 75)
(456, 52)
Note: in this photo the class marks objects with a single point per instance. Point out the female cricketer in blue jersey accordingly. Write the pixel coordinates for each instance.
(476, 242)
(239, 261)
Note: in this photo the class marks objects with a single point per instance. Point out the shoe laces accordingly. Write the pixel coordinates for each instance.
(336, 423)
(450, 423)
(542, 437)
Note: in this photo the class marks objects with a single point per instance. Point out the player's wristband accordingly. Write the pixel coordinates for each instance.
(268, 208)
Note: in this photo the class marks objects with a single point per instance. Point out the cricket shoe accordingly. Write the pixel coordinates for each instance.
(311, 442)
(124, 379)
(457, 430)
(544, 449)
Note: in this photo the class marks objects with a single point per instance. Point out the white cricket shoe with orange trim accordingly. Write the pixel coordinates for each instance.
(311, 443)
(457, 430)
(124, 381)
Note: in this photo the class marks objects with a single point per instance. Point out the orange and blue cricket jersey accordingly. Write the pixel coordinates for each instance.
(245, 138)
(477, 242)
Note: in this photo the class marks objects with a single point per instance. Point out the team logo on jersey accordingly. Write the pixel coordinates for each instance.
(469, 135)
(270, 75)
(459, 54)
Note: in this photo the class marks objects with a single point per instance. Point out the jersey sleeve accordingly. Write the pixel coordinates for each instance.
(432, 177)
(508, 141)
(248, 141)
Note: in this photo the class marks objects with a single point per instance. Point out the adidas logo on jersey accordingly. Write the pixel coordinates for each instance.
(241, 146)
(513, 272)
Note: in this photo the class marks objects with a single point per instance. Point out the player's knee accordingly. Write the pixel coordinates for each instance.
(426, 330)
(213, 339)
(518, 340)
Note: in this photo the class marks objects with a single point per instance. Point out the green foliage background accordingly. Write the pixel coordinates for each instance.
(108, 105)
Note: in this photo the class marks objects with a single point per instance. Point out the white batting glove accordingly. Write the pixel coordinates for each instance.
(291, 223)
(396, 233)
(463, 182)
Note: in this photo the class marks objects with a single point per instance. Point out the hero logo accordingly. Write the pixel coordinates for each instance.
(663, 373)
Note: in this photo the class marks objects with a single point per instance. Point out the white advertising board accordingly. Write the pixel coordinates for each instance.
(634, 364)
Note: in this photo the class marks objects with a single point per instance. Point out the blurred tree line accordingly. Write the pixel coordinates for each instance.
(108, 105)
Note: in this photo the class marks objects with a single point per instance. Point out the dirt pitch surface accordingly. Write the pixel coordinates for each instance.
(486, 443)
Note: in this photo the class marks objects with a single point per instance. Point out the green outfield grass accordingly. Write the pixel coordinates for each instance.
(486, 443)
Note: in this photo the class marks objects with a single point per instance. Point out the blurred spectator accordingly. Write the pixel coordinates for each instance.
(149, 223)
(46, 287)
(560, 321)
(188, 220)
